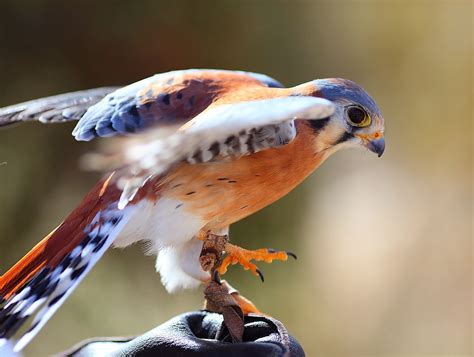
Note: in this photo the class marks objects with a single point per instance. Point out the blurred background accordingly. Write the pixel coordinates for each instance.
(384, 245)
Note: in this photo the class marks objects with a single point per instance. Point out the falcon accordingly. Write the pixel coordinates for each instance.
(199, 151)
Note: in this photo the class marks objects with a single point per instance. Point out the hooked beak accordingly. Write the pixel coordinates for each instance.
(376, 145)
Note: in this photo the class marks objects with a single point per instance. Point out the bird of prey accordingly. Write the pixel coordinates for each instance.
(203, 149)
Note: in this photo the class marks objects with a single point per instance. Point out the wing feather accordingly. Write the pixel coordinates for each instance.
(54, 109)
(164, 99)
(42, 280)
(224, 131)
(46, 295)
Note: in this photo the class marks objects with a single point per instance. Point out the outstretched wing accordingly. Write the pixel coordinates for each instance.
(164, 99)
(55, 109)
(161, 99)
(40, 282)
(220, 132)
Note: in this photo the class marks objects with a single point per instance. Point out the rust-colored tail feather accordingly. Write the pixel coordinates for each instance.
(24, 269)
(41, 281)
(52, 249)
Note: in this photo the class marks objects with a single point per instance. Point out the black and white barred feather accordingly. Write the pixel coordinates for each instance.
(50, 287)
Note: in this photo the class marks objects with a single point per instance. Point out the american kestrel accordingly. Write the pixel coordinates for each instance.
(203, 149)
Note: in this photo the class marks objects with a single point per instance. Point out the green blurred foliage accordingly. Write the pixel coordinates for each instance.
(384, 245)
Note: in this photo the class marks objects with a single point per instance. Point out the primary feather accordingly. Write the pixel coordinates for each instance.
(41, 282)
(55, 109)
(49, 288)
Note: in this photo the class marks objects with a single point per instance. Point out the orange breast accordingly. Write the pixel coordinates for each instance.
(227, 191)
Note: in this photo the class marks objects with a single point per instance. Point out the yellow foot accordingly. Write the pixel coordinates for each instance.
(244, 257)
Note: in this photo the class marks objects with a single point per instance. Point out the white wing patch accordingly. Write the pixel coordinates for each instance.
(224, 131)
(50, 287)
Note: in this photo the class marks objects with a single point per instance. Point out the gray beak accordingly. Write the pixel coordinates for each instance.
(377, 146)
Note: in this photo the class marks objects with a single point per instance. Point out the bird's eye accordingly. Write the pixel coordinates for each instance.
(356, 116)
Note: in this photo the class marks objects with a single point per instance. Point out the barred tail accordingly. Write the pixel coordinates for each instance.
(42, 280)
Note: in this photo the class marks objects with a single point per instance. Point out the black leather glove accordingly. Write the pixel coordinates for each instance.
(198, 333)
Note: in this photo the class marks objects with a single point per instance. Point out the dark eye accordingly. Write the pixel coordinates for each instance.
(357, 116)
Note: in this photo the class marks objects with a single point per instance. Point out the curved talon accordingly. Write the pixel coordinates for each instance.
(216, 277)
(260, 274)
(291, 254)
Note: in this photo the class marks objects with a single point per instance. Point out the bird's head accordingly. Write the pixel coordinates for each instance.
(356, 121)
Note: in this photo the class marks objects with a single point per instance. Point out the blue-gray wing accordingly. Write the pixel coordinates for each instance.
(170, 98)
(55, 109)
(167, 98)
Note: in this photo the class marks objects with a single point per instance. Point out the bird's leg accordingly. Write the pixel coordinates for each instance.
(217, 292)
(212, 249)
(220, 295)
(244, 257)
(211, 259)
(220, 298)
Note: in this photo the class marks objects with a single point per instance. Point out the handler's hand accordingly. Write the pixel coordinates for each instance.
(198, 333)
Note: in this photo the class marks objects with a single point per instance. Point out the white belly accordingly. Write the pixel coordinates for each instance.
(169, 231)
(164, 223)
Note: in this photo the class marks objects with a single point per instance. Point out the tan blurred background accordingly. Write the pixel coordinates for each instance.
(384, 245)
